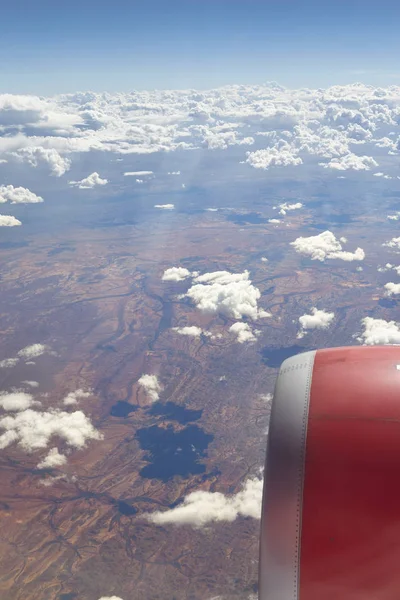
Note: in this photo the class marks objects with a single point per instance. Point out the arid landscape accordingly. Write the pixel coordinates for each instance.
(96, 301)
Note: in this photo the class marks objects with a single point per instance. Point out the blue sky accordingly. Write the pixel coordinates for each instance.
(49, 47)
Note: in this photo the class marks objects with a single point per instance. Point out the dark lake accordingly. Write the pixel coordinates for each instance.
(387, 302)
(122, 409)
(174, 412)
(172, 452)
(274, 357)
(125, 509)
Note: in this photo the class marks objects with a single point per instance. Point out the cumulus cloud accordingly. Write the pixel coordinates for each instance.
(32, 351)
(325, 246)
(351, 161)
(393, 243)
(36, 155)
(318, 319)
(18, 195)
(16, 401)
(232, 294)
(192, 330)
(165, 206)
(73, 397)
(33, 384)
(266, 397)
(151, 385)
(293, 127)
(89, 182)
(283, 155)
(9, 221)
(285, 207)
(379, 331)
(8, 362)
(137, 173)
(33, 430)
(392, 289)
(200, 508)
(53, 459)
(176, 274)
(274, 221)
(243, 332)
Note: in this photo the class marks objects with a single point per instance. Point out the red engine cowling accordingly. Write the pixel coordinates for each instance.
(330, 527)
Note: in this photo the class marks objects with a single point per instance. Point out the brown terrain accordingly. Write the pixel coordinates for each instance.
(96, 298)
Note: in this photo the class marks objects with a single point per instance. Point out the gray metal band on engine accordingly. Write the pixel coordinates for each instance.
(283, 483)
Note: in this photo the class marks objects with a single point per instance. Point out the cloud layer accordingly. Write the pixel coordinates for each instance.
(341, 129)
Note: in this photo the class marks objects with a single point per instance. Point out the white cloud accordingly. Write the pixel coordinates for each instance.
(392, 289)
(53, 459)
(33, 430)
(9, 221)
(151, 385)
(173, 173)
(165, 206)
(212, 209)
(351, 161)
(379, 331)
(264, 259)
(285, 207)
(110, 598)
(73, 397)
(16, 401)
(89, 182)
(8, 362)
(137, 173)
(36, 155)
(229, 293)
(298, 127)
(274, 221)
(395, 217)
(175, 274)
(243, 332)
(318, 319)
(200, 508)
(33, 351)
(33, 384)
(18, 195)
(283, 155)
(191, 330)
(393, 243)
(325, 246)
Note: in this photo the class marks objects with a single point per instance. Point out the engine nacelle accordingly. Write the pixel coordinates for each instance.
(330, 527)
